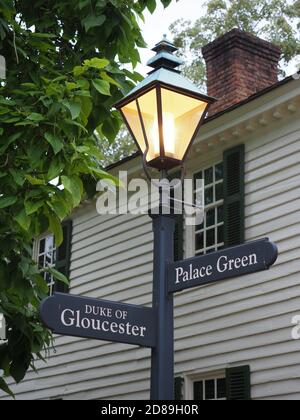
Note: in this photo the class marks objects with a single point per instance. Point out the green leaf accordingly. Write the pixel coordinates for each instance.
(7, 201)
(105, 175)
(6, 143)
(109, 79)
(32, 206)
(55, 168)
(78, 71)
(86, 106)
(59, 208)
(35, 181)
(92, 21)
(111, 128)
(58, 276)
(74, 108)
(35, 117)
(41, 284)
(23, 220)
(151, 5)
(40, 35)
(56, 228)
(18, 176)
(5, 388)
(102, 87)
(55, 142)
(74, 186)
(96, 63)
(77, 124)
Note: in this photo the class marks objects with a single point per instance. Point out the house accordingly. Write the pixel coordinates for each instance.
(233, 339)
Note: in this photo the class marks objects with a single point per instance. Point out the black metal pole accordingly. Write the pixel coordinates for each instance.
(162, 359)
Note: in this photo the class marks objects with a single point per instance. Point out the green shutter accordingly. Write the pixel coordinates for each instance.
(238, 386)
(178, 388)
(63, 256)
(234, 196)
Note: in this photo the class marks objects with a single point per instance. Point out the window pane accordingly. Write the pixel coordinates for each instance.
(49, 244)
(220, 214)
(209, 195)
(210, 237)
(220, 234)
(210, 218)
(199, 227)
(48, 278)
(219, 171)
(42, 246)
(209, 176)
(199, 175)
(200, 240)
(198, 391)
(210, 390)
(219, 192)
(214, 214)
(221, 388)
(41, 261)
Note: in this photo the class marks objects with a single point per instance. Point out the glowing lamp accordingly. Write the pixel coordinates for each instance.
(165, 111)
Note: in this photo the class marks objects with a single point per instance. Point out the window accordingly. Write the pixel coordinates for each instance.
(46, 257)
(209, 236)
(210, 389)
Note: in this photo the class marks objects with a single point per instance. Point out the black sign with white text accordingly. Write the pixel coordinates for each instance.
(232, 262)
(99, 319)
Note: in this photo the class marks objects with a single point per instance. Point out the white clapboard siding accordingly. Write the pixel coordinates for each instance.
(242, 321)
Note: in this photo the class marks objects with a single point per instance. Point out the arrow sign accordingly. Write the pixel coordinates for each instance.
(232, 262)
(79, 316)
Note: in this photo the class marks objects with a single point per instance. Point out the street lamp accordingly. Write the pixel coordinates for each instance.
(165, 111)
(163, 114)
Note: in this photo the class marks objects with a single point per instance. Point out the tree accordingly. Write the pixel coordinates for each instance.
(64, 72)
(123, 146)
(276, 21)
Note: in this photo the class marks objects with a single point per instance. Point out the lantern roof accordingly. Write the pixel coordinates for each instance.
(165, 72)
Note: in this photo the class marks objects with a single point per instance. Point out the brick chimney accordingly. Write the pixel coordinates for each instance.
(239, 65)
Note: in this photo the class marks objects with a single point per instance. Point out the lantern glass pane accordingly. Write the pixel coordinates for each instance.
(148, 106)
(181, 116)
(131, 114)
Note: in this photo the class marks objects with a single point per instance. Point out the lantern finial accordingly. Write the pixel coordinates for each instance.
(164, 57)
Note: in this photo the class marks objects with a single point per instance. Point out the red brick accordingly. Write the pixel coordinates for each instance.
(239, 65)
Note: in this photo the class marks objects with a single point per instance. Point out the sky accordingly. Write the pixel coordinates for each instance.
(158, 23)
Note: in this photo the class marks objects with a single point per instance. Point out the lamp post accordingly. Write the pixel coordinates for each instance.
(164, 113)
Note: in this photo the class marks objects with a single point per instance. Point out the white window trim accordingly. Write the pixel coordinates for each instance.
(189, 231)
(35, 253)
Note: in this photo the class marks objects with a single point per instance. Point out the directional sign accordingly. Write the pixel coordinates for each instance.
(99, 319)
(231, 262)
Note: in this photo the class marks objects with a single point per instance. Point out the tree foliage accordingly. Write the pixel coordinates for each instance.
(64, 72)
(276, 21)
(123, 146)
